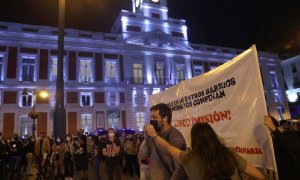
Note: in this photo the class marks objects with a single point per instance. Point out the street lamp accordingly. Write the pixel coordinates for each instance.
(34, 114)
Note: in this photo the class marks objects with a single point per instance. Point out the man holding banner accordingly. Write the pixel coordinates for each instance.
(162, 166)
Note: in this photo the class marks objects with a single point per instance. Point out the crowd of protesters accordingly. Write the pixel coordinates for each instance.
(158, 153)
(59, 158)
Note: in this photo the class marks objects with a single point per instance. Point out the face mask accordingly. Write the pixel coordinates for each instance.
(58, 140)
(111, 134)
(68, 138)
(155, 125)
(8, 141)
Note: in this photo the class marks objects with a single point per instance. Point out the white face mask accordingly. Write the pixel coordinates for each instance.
(111, 134)
(58, 140)
(68, 138)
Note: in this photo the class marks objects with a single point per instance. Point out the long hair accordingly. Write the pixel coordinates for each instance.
(217, 160)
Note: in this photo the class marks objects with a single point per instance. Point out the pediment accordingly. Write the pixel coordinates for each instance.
(158, 38)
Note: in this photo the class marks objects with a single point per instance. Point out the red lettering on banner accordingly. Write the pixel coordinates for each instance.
(246, 150)
(208, 118)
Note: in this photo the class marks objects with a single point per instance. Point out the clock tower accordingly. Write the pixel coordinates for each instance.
(150, 8)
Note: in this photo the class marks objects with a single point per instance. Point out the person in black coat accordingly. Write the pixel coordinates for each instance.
(286, 148)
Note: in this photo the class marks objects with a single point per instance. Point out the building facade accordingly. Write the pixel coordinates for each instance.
(291, 73)
(109, 76)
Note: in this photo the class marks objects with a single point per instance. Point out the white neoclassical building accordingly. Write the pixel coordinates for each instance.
(109, 76)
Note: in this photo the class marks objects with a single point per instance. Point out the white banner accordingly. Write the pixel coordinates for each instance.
(231, 99)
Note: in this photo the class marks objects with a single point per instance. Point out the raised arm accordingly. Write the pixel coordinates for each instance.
(173, 151)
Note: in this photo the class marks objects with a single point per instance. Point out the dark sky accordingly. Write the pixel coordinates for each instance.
(271, 25)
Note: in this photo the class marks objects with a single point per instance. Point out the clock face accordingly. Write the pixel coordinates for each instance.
(155, 1)
(137, 3)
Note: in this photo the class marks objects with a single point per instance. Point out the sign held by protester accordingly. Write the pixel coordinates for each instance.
(231, 99)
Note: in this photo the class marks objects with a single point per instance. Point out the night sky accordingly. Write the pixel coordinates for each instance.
(273, 26)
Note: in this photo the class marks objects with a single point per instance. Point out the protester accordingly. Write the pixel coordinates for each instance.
(58, 155)
(131, 150)
(95, 159)
(287, 149)
(69, 160)
(42, 148)
(81, 158)
(111, 151)
(209, 158)
(162, 166)
(15, 156)
(29, 151)
(4, 156)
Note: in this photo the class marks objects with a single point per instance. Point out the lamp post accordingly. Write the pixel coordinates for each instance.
(34, 114)
(59, 120)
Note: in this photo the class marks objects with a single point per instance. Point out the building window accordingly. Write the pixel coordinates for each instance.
(160, 73)
(177, 34)
(277, 97)
(180, 72)
(280, 111)
(27, 100)
(28, 64)
(274, 81)
(198, 70)
(133, 28)
(140, 120)
(86, 122)
(86, 100)
(25, 126)
(1, 68)
(85, 71)
(112, 99)
(113, 118)
(110, 71)
(156, 15)
(54, 68)
(138, 73)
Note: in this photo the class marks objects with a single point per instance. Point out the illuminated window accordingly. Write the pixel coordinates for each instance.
(54, 68)
(160, 73)
(112, 99)
(180, 72)
(111, 71)
(138, 73)
(85, 70)
(140, 120)
(113, 118)
(280, 111)
(86, 122)
(25, 126)
(28, 64)
(1, 67)
(86, 100)
(27, 100)
(274, 82)
(277, 97)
